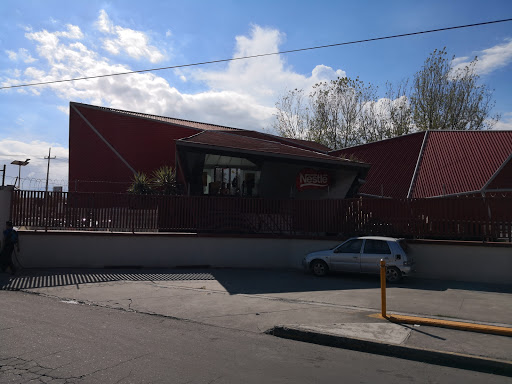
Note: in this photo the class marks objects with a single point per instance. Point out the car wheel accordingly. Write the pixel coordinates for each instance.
(319, 268)
(393, 274)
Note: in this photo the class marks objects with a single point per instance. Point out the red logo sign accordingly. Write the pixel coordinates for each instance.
(312, 179)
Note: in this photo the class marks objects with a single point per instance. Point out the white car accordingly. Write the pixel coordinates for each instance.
(363, 255)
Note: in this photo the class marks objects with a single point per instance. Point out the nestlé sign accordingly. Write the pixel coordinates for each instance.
(312, 179)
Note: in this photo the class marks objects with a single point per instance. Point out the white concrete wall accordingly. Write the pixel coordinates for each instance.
(53, 249)
(479, 263)
(436, 260)
(5, 204)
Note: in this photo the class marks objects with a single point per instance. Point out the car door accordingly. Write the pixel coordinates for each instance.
(347, 256)
(373, 252)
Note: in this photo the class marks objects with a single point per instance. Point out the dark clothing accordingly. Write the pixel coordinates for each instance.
(6, 257)
(10, 237)
(9, 241)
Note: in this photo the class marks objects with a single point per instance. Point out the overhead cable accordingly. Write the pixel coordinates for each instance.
(259, 55)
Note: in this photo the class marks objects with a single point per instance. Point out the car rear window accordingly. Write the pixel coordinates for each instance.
(378, 247)
(403, 244)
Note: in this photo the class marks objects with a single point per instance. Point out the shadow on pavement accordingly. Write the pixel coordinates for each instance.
(33, 278)
(235, 281)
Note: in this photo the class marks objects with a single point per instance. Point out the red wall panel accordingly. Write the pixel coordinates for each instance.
(503, 179)
(146, 145)
(393, 163)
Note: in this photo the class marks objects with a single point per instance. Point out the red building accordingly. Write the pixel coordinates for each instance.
(436, 163)
(108, 146)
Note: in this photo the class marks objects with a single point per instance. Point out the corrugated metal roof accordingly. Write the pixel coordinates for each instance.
(452, 162)
(232, 141)
(310, 144)
(392, 164)
(285, 140)
(460, 161)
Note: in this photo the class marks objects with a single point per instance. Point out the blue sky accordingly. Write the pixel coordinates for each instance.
(50, 40)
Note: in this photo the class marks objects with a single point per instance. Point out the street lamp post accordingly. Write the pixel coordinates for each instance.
(20, 164)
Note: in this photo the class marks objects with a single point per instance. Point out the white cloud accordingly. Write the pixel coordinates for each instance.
(33, 175)
(242, 95)
(21, 55)
(73, 32)
(133, 43)
(489, 59)
(264, 77)
(168, 33)
(505, 123)
(64, 109)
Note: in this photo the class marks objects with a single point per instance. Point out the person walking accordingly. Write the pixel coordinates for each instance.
(10, 241)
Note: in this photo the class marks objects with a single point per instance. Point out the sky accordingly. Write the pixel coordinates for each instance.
(52, 40)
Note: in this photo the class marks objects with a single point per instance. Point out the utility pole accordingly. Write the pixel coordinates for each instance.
(3, 176)
(48, 171)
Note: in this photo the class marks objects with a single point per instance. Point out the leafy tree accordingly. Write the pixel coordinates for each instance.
(164, 179)
(346, 112)
(446, 97)
(292, 117)
(141, 184)
(400, 118)
(341, 107)
(332, 114)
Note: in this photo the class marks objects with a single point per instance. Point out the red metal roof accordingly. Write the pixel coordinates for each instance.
(237, 142)
(456, 162)
(451, 162)
(285, 140)
(392, 164)
(311, 144)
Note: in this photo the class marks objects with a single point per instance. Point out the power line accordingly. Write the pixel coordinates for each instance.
(260, 55)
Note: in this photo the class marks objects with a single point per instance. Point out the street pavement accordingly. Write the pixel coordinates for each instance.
(259, 300)
(48, 340)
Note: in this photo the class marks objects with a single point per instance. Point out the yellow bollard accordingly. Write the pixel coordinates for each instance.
(383, 287)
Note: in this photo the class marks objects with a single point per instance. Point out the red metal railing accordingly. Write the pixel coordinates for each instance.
(465, 217)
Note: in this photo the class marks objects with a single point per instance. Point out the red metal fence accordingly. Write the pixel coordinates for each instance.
(465, 217)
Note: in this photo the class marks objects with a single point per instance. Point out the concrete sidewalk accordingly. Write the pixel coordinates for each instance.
(268, 301)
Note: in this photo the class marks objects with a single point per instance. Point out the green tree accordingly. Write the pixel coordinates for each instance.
(164, 180)
(141, 184)
(346, 112)
(447, 97)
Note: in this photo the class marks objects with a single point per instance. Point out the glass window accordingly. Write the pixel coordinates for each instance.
(378, 247)
(352, 246)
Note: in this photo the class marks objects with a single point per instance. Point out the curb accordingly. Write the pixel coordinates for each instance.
(448, 359)
(458, 325)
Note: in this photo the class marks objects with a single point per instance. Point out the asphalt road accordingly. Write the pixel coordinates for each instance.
(47, 340)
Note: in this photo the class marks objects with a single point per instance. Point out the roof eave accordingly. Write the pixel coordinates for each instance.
(273, 155)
